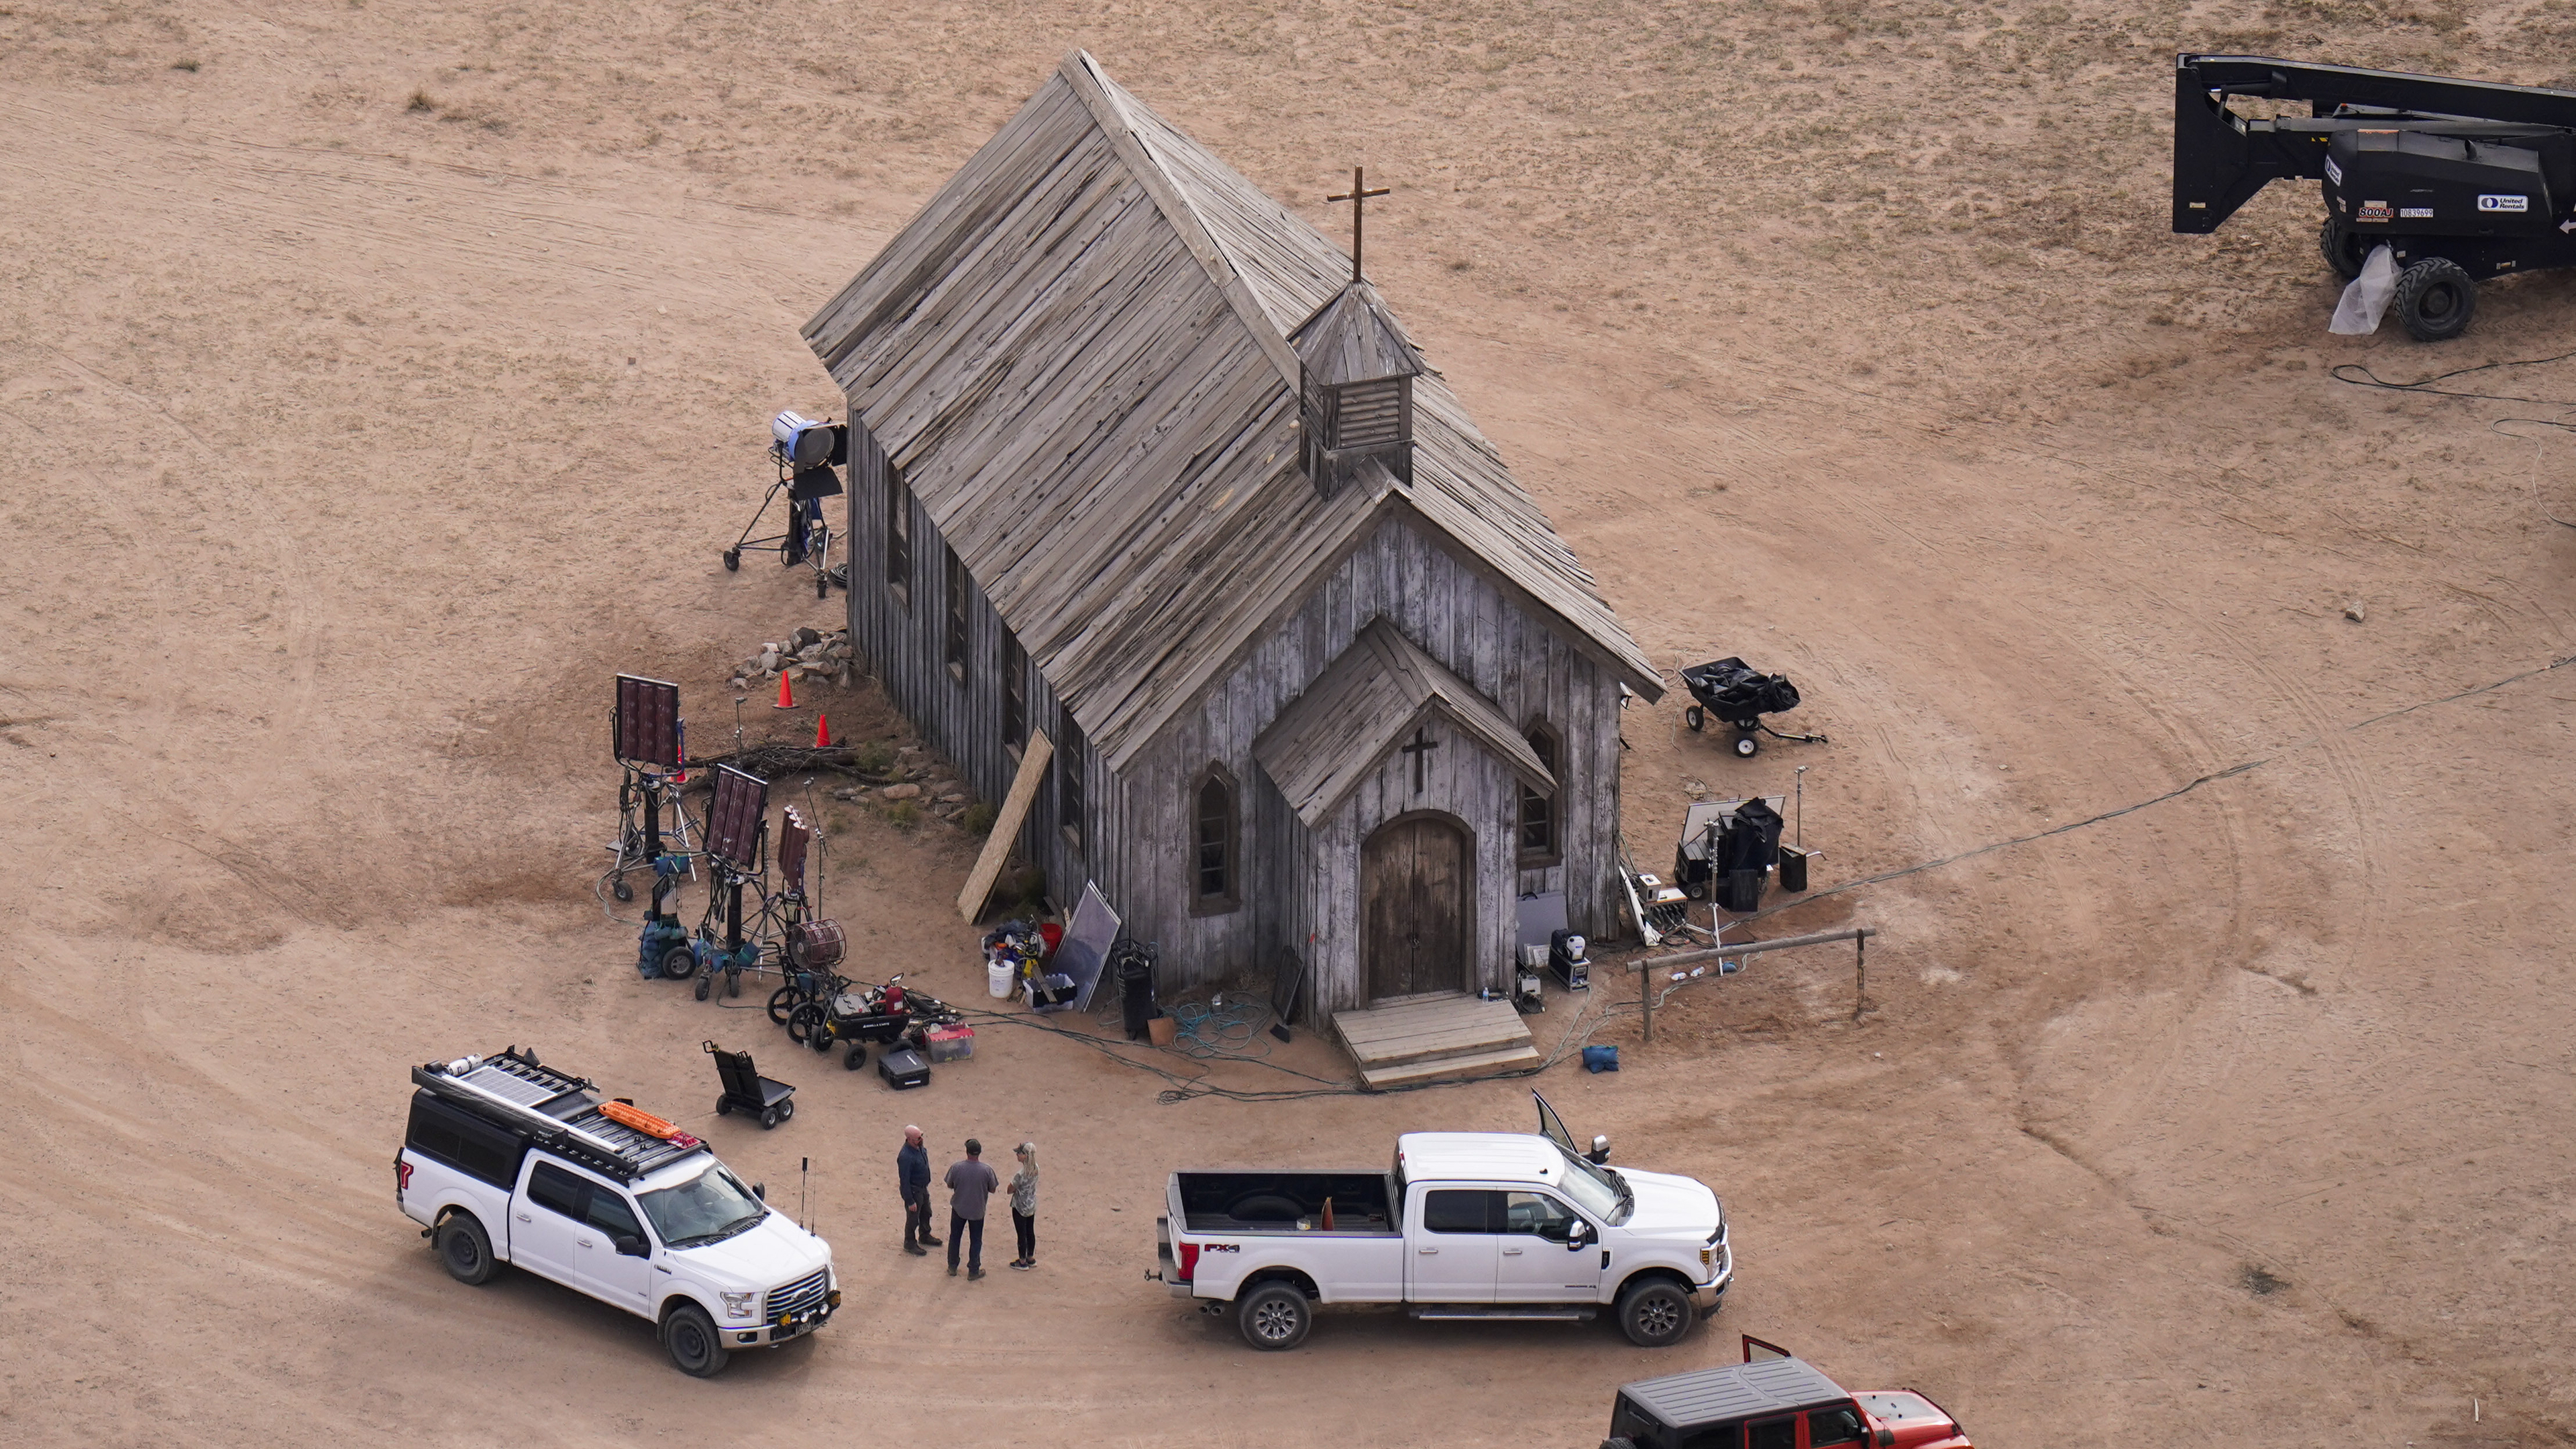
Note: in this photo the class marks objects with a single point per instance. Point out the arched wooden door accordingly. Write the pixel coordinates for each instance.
(1416, 876)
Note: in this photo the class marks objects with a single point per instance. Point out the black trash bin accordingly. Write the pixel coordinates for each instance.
(1137, 1003)
(1741, 890)
(1746, 852)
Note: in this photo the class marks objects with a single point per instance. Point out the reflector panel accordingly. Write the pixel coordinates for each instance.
(733, 821)
(647, 730)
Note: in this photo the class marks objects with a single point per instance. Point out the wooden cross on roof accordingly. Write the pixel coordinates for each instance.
(1358, 197)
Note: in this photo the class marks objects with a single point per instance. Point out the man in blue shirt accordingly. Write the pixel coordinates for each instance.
(912, 1178)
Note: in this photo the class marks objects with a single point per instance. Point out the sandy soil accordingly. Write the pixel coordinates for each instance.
(376, 379)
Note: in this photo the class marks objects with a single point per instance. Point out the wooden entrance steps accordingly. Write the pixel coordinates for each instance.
(1427, 1039)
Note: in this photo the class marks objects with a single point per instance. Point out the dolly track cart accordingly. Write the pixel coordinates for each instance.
(2461, 179)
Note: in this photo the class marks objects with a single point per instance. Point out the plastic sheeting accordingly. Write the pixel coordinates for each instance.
(2365, 298)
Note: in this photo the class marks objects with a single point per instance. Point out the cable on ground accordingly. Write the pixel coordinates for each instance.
(2353, 374)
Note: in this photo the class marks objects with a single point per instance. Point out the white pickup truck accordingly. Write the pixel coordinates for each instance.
(506, 1161)
(1496, 1225)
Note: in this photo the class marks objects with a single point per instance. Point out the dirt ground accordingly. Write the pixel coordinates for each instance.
(376, 379)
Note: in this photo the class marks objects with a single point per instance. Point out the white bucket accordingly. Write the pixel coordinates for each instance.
(999, 977)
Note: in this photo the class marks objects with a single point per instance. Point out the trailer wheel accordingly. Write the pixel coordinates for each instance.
(1654, 1313)
(1696, 718)
(2342, 250)
(2435, 299)
(679, 963)
(690, 1337)
(858, 1056)
(465, 1250)
(1747, 746)
(1274, 1316)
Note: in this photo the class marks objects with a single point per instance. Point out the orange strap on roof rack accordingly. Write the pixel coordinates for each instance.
(639, 1119)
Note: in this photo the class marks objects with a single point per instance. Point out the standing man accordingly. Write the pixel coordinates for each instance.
(912, 1179)
(970, 1183)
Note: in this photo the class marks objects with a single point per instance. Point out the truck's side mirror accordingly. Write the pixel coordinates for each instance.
(630, 1246)
(1886, 1437)
(1600, 1152)
(1575, 1233)
(760, 1190)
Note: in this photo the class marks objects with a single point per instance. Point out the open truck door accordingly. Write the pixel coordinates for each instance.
(1552, 1127)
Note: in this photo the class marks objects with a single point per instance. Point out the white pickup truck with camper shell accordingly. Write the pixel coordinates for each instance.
(506, 1161)
(1486, 1225)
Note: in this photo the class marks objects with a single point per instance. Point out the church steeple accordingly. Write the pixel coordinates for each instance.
(1356, 369)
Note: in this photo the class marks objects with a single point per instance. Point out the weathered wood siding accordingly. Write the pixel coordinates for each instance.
(1300, 890)
(905, 647)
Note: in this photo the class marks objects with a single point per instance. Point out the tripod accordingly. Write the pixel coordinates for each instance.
(662, 949)
(641, 839)
(726, 882)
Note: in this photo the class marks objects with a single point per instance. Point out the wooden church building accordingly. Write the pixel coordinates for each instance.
(1136, 461)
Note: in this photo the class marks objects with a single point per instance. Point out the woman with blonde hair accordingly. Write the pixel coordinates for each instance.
(1024, 1205)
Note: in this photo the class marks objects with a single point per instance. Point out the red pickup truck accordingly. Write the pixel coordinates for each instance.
(1774, 1400)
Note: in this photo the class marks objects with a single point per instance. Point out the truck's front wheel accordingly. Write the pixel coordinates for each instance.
(1274, 1316)
(691, 1339)
(1655, 1313)
(465, 1250)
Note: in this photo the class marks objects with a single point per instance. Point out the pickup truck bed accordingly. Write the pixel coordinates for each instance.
(1285, 1202)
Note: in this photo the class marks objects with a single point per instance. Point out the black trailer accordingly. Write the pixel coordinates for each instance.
(2461, 179)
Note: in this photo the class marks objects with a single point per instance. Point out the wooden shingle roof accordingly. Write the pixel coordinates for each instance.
(1077, 355)
(1332, 736)
(1354, 338)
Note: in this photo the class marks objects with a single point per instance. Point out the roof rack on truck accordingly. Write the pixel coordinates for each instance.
(554, 1108)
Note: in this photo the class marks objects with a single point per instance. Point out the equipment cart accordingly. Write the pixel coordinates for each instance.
(747, 1091)
(1740, 695)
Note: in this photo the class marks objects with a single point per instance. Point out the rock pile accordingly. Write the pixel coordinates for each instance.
(927, 782)
(802, 655)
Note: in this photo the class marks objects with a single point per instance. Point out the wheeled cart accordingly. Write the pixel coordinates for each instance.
(746, 1090)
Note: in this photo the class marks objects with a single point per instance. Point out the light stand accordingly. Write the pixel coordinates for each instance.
(737, 835)
(649, 740)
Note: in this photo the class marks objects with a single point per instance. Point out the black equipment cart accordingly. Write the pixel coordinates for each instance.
(1739, 694)
(843, 1011)
(746, 1090)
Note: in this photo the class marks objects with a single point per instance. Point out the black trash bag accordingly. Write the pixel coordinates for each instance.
(1733, 690)
(1752, 838)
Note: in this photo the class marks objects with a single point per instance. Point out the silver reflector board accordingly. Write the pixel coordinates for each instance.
(647, 730)
(733, 822)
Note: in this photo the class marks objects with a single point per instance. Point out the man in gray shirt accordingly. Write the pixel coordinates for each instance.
(969, 1183)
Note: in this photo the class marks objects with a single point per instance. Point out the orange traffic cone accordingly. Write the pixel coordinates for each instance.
(786, 696)
(822, 731)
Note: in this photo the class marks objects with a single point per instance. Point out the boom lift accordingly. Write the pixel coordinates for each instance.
(2461, 179)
